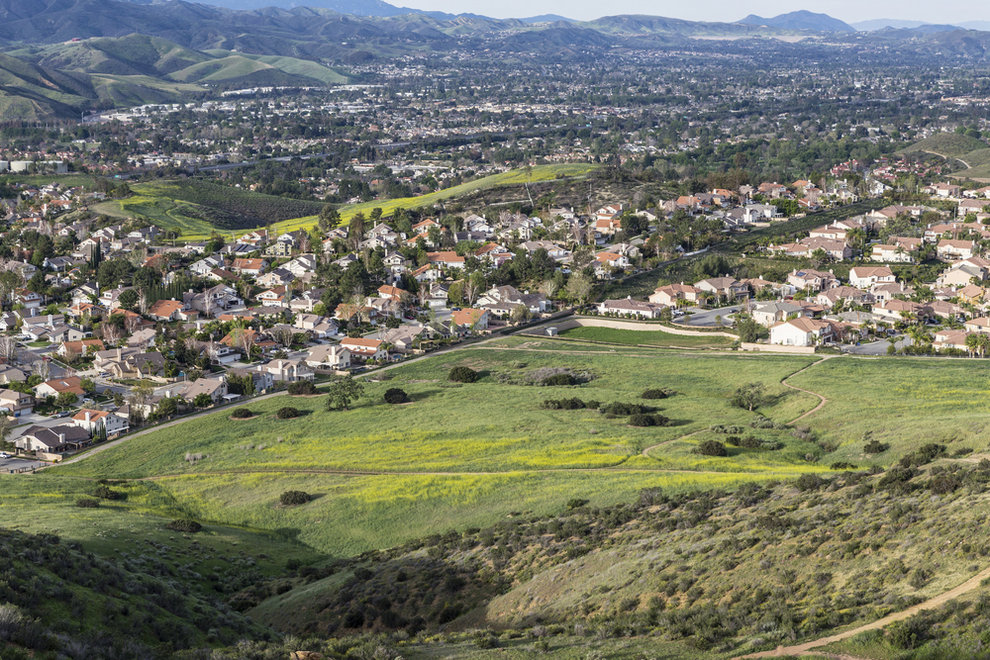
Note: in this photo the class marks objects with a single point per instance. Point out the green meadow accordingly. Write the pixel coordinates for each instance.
(468, 455)
(462, 455)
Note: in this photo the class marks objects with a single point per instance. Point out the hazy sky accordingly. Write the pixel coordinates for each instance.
(947, 11)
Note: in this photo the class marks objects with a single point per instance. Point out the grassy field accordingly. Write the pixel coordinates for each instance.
(463, 455)
(646, 336)
(196, 211)
(909, 402)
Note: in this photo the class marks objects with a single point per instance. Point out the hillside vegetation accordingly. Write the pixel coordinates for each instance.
(952, 145)
(194, 208)
(61, 80)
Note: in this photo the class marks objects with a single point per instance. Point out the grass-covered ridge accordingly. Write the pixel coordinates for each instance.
(195, 209)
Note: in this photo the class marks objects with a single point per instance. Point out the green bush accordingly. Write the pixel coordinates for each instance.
(558, 380)
(712, 448)
(301, 387)
(287, 412)
(619, 408)
(642, 419)
(184, 525)
(294, 498)
(462, 375)
(657, 393)
(396, 395)
(106, 493)
(242, 413)
(87, 503)
(875, 447)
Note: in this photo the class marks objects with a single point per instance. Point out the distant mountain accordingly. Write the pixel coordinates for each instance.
(800, 20)
(352, 7)
(881, 23)
(546, 18)
(976, 25)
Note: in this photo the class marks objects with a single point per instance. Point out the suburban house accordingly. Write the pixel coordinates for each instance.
(630, 307)
(728, 288)
(328, 356)
(15, 403)
(863, 277)
(470, 320)
(57, 386)
(770, 313)
(288, 371)
(363, 348)
(92, 420)
(801, 331)
(671, 294)
(54, 440)
(166, 310)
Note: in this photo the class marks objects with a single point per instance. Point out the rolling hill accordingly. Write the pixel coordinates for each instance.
(61, 80)
(801, 20)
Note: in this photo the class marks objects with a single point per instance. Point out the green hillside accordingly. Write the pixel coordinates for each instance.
(195, 209)
(951, 145)
(60, 80)
(557, 529)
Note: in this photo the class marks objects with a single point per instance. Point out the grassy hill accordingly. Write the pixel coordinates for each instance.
(62, 79)
(195, 209)
(476, 506)
(950, 145)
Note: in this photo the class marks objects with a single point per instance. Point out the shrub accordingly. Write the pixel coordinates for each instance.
(809, 482)
(301, 387)
(288, 412)
(557, 380)
(106, 493)
(875, 447)
(641, 419)
(185, 525)
(396, 395)
(657, 393)
(87, 503)
(576, 503)
(619, 408)
(242, 413)
(565, 404)
(294, 497)
(462, 375)
(750, 442)
(712, 448)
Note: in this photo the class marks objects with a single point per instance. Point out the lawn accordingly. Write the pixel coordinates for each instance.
(647, 336)
(462, 455)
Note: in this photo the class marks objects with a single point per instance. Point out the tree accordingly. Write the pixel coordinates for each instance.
(579, 288)
(342, 391)
(66, 399)
(329, 218)
(202, 400)
(128, 299)
(749, 396)
(88, 386)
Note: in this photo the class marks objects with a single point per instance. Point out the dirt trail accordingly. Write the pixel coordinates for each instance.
(943, 598)
(822, 400)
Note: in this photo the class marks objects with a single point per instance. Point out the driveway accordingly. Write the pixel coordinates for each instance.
(8, 465)
(705, 318)
(877, 347)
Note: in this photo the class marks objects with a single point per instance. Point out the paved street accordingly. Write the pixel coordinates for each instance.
(705, 318)
(877, 347)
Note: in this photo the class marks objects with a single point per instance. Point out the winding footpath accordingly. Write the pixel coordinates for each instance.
(930, 604)
(822, 400)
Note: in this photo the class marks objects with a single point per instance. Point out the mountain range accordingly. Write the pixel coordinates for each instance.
(63, 56)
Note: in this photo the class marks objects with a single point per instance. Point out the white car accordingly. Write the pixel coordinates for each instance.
(4, 454)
